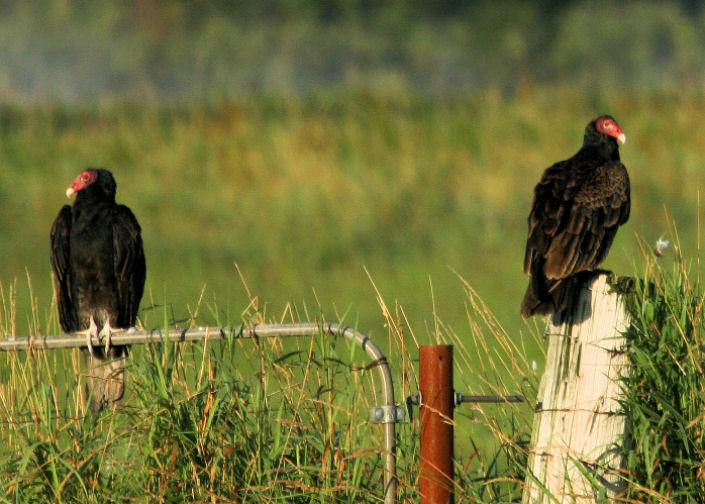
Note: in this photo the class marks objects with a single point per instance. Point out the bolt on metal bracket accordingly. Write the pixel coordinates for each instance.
(393, 413)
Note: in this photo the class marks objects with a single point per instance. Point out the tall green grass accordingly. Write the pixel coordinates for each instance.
(395, 215)
(279, 419)
(664, 393)
(248, 420)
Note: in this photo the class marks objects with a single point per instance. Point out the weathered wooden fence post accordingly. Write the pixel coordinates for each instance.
(576, 422)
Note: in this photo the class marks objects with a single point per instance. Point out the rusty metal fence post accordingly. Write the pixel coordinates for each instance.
(436, 415)
(436, 400)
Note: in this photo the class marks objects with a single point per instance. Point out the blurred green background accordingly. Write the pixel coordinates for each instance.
(334, 149)
(155, 50)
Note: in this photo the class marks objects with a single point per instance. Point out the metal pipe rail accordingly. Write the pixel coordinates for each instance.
(131, 337)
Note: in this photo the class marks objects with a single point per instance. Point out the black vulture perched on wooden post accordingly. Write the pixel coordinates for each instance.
(99, 271)
(578, 205)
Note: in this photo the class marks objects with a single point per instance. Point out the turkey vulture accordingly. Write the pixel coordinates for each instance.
(578, 205)
(99, 270)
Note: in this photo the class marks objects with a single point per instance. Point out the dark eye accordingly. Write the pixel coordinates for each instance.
(607, 125)
(85, 177)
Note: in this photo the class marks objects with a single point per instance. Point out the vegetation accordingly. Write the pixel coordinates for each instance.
(327, 205)
(665, 398)
(252, 421)
(357, 163)
(244, 421)
(309, 197)
(77, 51)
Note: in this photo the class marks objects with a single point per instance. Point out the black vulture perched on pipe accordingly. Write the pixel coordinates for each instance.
(99, 270)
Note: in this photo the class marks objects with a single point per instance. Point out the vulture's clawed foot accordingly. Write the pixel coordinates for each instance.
(90, 332)
(107, 333)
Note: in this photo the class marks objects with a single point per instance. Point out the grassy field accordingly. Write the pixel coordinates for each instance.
(306, 195)
(396, 215)
(249, 421)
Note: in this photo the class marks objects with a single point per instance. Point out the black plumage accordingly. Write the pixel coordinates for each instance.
(578, 205)
(99, 271)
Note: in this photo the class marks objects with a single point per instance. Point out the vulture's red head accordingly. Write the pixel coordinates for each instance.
(98, 180)
(86, 178)
(608, 126)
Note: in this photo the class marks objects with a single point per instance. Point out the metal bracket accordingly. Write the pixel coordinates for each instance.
(388, 414)
(458, 399)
